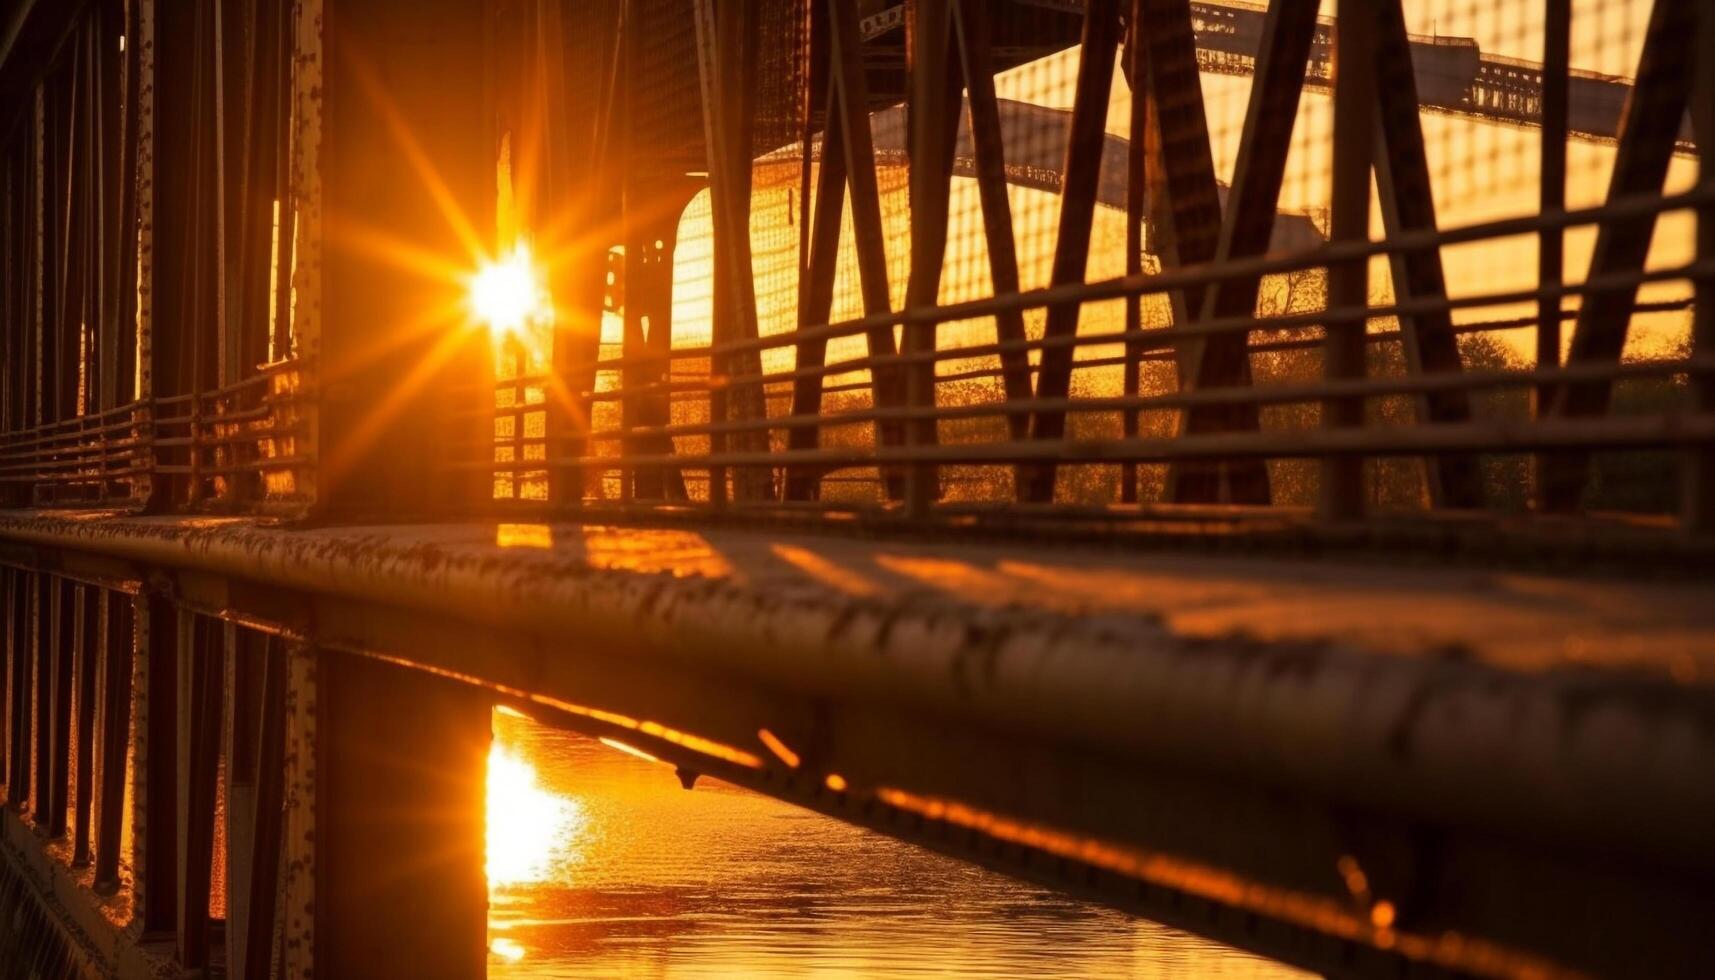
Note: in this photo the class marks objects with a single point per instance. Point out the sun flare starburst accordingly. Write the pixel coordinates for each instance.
(507, 293)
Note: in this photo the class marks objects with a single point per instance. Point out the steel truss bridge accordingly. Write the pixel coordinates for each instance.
(1321, 626)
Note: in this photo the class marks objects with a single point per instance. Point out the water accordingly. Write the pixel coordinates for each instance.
(611, 869)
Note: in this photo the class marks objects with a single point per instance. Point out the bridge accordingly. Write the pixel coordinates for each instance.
(740, 382)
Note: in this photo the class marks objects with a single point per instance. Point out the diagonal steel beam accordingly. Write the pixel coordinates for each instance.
(816, 299)
(848, 163)
(972, 32)
(1648, 132)
(1408, 205)
(1072, 244)
(1246, 227)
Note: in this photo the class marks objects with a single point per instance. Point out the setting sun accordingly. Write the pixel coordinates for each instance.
(506, 293)
(531, 831)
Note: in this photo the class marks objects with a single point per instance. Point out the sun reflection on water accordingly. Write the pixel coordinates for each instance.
(509, 950)
(533, 834)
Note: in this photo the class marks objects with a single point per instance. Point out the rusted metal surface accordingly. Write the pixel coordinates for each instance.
(1346, 687)
(297, 883)
(656, 586)
(154, 762)
(197, 743)
(118, 641)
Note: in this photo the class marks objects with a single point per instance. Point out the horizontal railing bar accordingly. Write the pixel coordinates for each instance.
(1160, 337)
(92, 476)
(1466, 437)
(1251, 395)
(71, 464)
(1184, 277)
(279, 463)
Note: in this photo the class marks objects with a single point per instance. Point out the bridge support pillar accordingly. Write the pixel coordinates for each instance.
(384, 849)
(405, 146)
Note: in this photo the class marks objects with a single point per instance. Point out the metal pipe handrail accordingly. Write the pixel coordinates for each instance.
(1492, 436)
(1190, 276)
(1254, 395)
(1157, 337)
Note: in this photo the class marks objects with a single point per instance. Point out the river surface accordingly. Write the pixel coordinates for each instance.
(604, 867)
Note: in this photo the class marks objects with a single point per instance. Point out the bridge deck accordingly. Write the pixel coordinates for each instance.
(1076, 642)
(1239, 727)
(1517, 620)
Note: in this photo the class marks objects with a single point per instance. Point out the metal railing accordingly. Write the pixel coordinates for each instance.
(236, 444)
(855, 439)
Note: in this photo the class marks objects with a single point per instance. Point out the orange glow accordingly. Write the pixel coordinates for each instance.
(779, 748)
(1382, 915)
(1446, 948)
(825, 571)
(507, 294)
(530, 830)
(961, 578)
(539, 536)
(836, 782)
(614, 743)
(654, 729)
(507, 949)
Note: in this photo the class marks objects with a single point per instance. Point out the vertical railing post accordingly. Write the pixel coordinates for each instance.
(22, 660)
(934, 125)
(1342, 486)
(1698, 503)
(118, 639)
(154, 797)
(64, 644)
(243, 659)
(194, 491)
(1551, 242)
(153, 488)
(9, 578)
(85, 677)
(301, 736)
(384, 817)
(42, 646)
(251, 918)
(383, 379)
(1136, 175)
(198, 744)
